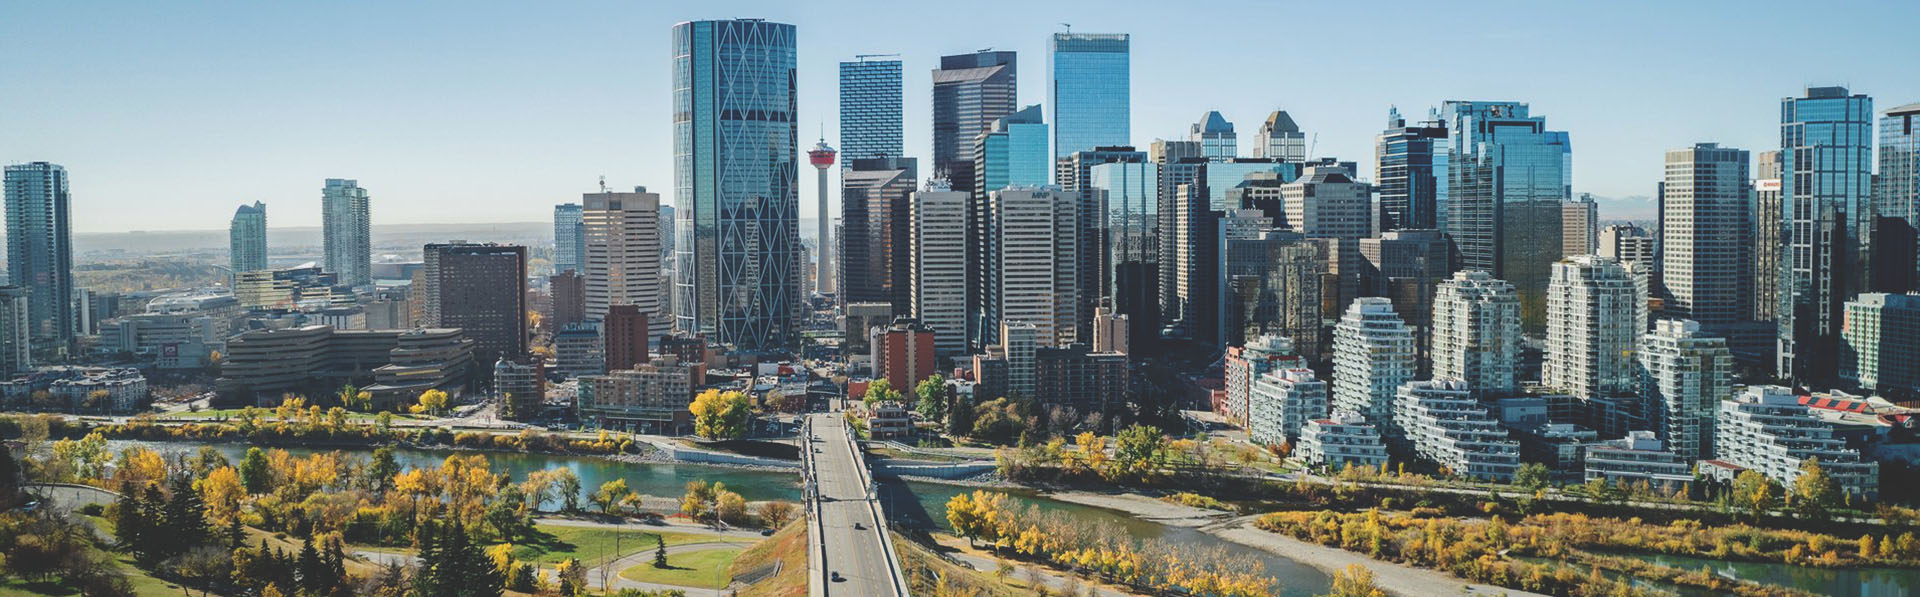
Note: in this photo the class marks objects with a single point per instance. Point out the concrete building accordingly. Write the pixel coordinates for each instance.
(1373, 355)
(39, 237)
(938, 262)
(1443, 423)
(1688, 375)
(569, 299)
(1579, 226)
(347, 224)
(1083, 381)
(1880, 344)
(1110, 331)
(247, 238)
(522, 389)
(620, 234)
(1407, 266)
(180, 330)
(903, 354)
(1279, 137)
(1031, 273)
(1767, 429)
(858, 323)
(1595, 316)
(16, 343)
(1341, 440)
(1476, 332)
(577, 351)
(303, 286)
(1215, 136)
(394, 365)
(1326, 202)
(648, 398)
(1706, 250)
(890, 419)
(1638, 458)
(625, 335)
(480, 289)
(1769, 239)
(1626, 243)
(1282, 402)
(1245, 364)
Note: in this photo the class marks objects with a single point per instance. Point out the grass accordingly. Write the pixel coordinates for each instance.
(552, 544)
(704, 568)
(927, 571)
(789, 547)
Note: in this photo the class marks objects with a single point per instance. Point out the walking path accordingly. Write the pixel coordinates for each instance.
(1398, 579)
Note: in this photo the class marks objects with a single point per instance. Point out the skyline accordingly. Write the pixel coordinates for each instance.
(139, 102)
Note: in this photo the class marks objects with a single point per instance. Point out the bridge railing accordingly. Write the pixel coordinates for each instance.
(894, 572)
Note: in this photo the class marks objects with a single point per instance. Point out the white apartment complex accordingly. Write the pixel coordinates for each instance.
(1593, 306)
(1476, 331)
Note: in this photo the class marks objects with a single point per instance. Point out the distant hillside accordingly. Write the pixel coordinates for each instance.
(1631, 207)
(150, 242)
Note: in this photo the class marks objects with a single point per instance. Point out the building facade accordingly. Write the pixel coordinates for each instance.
(16, 326)
(1879, 341)
(871, 112)
(1411, 173)
(1767, 429)
(970, 93)
(481, 289)
(1595, 317)
(1030, 264)
(874, 212)
(568, 252)
(1282, 402)
(1705, 236)
(1443, 423)
(247, 238)
(1826, 161)
(1280, 138)
(40, 252)
(1688, 375)
(1506, 177)
(1089, 91)
(1476, 332)
(1341, 440)
(1373, 355)
(649, 398)
(347, 226)
(938, 262)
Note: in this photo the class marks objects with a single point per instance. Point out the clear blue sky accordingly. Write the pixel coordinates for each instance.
(170, 114)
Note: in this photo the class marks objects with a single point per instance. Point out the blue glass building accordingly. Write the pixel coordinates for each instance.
(1215, 136)
(735, 168)
(1012, 152)
(1826, 175)
(1506, 177)
(870, 110)
(40, 252)
(1088, 78)
(1411, 174)
(970, 92)
(568, 252)
(1898, 194)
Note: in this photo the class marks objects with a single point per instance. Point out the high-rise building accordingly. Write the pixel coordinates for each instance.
(1705, 234)
(1341, 440)
(1768, 429)
(1125, 197)
(1270, 283)
(1280, 138)
(1010, 153)
(874, 212)
(1326, 202)
(1111, 333)
(1411, 173)
(621, 233)
(1879, 339)
(247, 238)
(1579, 226)
(1244, 364)
(871, 113)
(1215, 136)
(970, 93)
(1373, 355)
(40, 252)
(1506, 177)
(568, 252)
(16, 340)
(1826, 161)
(903, 354)
(1770, 236)
(1626, 243)
(1029, 265)
(347, 225)
(624, 335)
(482, 290)
(1121, 166)
(1688, 375)
(1169, 160)
(1595, 316)
(1407, 266)
(825, 270)
(938, 258)
(1898, 191)
(569, 301)
(1476, 332)
(1442, 422)
(737, 170)
(1088, 86)
(1282, 403)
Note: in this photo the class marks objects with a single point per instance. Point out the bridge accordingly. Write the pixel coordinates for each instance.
(851, 552)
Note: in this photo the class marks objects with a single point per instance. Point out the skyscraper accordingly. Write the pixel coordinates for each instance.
(1579, 226)
(247, 238)
(1707, 256)
(1326, 202)
(1088, 79)
(621, 234)
(870, 109)
(1010, 153)
(482, 290)
(1595, 316)
(40, 252)
(1407, 266)
(1030, 264)
(938, 259)
(1280, 138)
(16, 343)
(1476, 332)
(1826, 149)
(568, 252)
(1122, 166)
(1899, 186)
(1880, 337)
(1215, 136)
(1372, 357)
(736, 167)
(1506, 177)
(874, 225)
(970, 92)
(1126, 195)
(347, 221)
(1688, 375)
(1769, 239)
(1411, 173)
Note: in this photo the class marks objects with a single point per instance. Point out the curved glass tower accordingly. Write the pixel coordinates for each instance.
(735, 170)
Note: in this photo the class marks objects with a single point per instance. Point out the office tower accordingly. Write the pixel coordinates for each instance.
(1113, 221)
(1595, 316)
(621, 233)
(1030, 264)
(568, 252)
(1088, 79)
(1878, 343)
(826, 270)
(347, 223)
(1215, 136)
(482, 290)
(1282, 403)
(625, 334)
(970, 93)
(1626, 243)
(938, 258)
(1407, 266)
(1372, 357)
(871, 116)
(1506, 177)
(1476, 332)
(1898, 192)
(247, 238)
(1280, 138)
(1706, 256)
(1441, 421)
(1579, 226)
(1826, 166)
(1767, 429)
(16, 327)
(1270, 284)
(1168, 158)
(874, 226)
(1011, 152)
(1326, 202)
(1111, 332)
(735, 140)
(1237, 251)
(569, 290)
(40, 252)
(1688, 375)
(1018, 341)
(1410, 170)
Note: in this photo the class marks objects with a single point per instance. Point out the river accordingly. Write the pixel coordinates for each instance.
(1836, 582)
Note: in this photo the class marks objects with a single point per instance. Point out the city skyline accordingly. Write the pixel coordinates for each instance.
(419, 124)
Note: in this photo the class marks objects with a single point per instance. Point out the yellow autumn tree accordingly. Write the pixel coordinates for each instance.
(718, 415)
(222, 492)
(432, 402)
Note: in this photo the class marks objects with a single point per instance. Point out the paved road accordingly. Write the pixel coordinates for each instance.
(857, 554)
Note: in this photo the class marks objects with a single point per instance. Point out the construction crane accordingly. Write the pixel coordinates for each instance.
(863, 57)
(1069, 27)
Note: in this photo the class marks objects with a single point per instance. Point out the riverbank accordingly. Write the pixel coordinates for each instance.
(1144, 508)
(1397, 579)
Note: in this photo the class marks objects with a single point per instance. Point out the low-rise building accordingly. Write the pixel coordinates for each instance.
(72, 388)
(1283, 401)
(1077, 378)
(1768, 429)
(652, 397)
(1640, 457)
(181, 330)
(1341, 440)
(1560, 446)
(521, 388)
(393, 365)
(1443, 423)
(577, 351)
(903, 353)
(889, 419)
(1244, 364)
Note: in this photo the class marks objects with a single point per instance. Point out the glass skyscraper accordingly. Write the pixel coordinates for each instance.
(1411, 174)
(1506, 177)
(40, 252)
(970, 92)
(345, 214)
(1011, 153)
(247, 238)
(870, 112)
(1826, 173)
(1215, 136)
(1088, 78)
(736, 171)
(1899, 191)
(568, 252)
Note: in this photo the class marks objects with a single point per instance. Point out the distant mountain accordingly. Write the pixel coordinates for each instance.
(1630, 207)
(292, 239)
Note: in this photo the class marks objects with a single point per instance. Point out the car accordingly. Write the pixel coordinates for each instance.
(859, 527)
(837, 578)
(766, 533)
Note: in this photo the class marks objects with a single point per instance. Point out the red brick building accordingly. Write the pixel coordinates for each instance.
(624, 333)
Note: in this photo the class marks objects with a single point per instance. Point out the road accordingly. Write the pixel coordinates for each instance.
(859, 555)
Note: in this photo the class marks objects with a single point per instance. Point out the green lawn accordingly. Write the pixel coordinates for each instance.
(552, 544)
(142, 584)
(705, 568)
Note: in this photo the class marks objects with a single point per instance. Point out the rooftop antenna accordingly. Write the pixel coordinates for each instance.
(603, 183)
(1069, 27)
(864, 57)
(1312, 145)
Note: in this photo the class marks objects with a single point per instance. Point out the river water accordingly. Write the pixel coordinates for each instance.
(1844, 582)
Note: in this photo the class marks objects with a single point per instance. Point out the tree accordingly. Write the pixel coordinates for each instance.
(432, 402)
(573, 577)
(1756, 492)
(452, 566)
(255, 473)
(699, 497)
(1532, 475)
(776, 514)
(730, 508)
(609, 494)
(879, 390)
(380, 473)
(129, 524)
(222, 492)
(1814, 492)
(569, 488)
(355, 398)
(659, 551)
(932, 392)
(960, 416)
(718, 415)
(1138, 453)
(1355, 581)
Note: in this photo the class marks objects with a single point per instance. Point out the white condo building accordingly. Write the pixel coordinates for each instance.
(938, 254)
(1343, 439)
(621, 235)
(1283, 402)
(1476, 332)
(1373, 353)
(1635, 458)
(1688, 376)
(1593, 306)
(1444, 423)
(1767, 429)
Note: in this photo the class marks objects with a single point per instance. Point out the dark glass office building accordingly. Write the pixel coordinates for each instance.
(970, 92)
(1411, 174)
(40, 252)
(1506, 177)
(870, 112)
(1826, 176)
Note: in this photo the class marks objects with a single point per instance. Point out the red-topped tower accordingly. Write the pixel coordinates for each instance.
(822, 158)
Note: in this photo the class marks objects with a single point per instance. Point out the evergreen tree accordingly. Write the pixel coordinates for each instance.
(380, 473)
(255, 473)
(153, 543)
(452, 566)
(659, 552)
(313, 571)
(129, 525)
(236, 534)
(184, 518)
